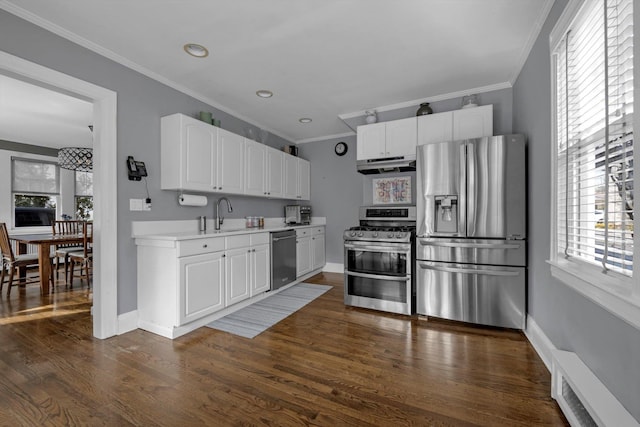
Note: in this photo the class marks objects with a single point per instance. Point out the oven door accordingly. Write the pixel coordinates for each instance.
(378, 276)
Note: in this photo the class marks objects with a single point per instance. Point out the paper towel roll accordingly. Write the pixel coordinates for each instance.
(192, 200)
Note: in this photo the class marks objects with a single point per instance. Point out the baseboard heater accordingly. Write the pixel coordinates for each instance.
(584, 400)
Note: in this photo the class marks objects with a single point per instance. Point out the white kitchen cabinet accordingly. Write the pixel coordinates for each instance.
(201, 286)
(317, 248)
(473, 122)
(275, 173)
(237, 280)
(455, 125)
(310, 249)
(387, 139)
(230, 162)
(255, 167)
(303, 251)
(199, 157)
(260, 269)
(297, 178)
(264, 170)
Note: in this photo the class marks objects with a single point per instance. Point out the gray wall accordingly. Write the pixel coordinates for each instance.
(338, 190)
(141, 103)
(609, 346)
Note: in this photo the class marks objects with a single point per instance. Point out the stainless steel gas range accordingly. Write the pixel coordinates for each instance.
(379, 260)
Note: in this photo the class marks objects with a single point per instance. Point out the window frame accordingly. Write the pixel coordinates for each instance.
(12, 193)
(616, 293)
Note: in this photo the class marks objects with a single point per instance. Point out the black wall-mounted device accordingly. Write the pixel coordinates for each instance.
(136, 169)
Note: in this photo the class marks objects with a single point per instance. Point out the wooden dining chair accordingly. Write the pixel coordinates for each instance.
(83, 257)
(62, 250)
(13, 262)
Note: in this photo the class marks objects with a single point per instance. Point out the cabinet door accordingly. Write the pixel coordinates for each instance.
(434, 128)
(303, 255)
(473, 122)
(237, 275)
(304, 180)
(401, 137)
(290, 177)
(275, 173)
(230, 162)
(260, 269)
(317, 251)
(199, 153)
(371, 141)
(201, 286)
(255, 162)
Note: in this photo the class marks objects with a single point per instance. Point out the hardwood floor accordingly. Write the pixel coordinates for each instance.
(325, 365)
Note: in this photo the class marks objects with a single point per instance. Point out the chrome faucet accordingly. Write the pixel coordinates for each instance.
(219, 220)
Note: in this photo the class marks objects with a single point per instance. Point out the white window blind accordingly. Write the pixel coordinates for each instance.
(594, 134)
(84, 183)
(34, 177)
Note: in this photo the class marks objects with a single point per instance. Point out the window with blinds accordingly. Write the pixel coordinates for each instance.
(593, 65)
(35, 186)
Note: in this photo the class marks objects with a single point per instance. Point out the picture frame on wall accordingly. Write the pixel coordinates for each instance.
(395, 190)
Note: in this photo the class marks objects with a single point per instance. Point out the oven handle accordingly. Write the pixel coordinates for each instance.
(469, 245)
(394, 247)
(379, 277)
(427, 266)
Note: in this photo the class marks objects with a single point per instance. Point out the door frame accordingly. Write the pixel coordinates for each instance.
(105, 180)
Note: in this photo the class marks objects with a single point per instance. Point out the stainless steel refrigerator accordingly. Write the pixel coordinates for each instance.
(471, 231)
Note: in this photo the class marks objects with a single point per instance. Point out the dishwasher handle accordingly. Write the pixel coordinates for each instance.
(277, 239)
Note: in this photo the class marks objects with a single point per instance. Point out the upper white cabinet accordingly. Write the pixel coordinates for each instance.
(196, 156)
(387, 139)
(296, 178)
(264, 170)
(454, 125)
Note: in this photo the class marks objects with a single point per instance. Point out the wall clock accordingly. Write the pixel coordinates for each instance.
(341, 148)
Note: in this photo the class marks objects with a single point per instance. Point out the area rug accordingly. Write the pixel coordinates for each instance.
(256, 318)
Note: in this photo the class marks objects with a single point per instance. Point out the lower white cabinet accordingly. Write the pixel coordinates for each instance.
(310, 249)
(184, 281)
(201, 286)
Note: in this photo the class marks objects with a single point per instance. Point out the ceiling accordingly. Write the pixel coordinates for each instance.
(321, 59)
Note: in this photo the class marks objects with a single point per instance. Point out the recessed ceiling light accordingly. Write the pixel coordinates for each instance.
(196, 50)
(305, 120)
(262, 93)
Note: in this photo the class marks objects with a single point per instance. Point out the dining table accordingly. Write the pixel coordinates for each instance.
(44, 242)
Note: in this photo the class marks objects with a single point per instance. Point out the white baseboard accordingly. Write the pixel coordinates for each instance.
(127, 322)
(333, 267)
(540, 342)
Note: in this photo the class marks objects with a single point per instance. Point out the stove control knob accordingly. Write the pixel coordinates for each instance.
(353, 234)
(360, 234)
(399, 235)
(375, 234)
(390, 235)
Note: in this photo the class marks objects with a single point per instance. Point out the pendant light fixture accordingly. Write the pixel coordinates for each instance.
(76, 158)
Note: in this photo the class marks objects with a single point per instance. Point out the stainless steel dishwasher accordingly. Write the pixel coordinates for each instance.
(283, 258)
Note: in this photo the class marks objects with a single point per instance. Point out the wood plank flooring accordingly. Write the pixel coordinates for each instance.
(325, 365)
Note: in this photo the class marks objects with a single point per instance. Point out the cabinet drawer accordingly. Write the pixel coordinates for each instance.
(259, 239)
(303, 232)
(239, 241)
(317, 230)
(200, 246)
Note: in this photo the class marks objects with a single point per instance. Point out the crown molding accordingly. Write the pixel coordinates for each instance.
(325, 138)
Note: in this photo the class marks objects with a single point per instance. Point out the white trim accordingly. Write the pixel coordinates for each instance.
(333, 267)
(540, 342)
(62, 32)
(442, 97)
(605, 291)
(563, 23)
(105, 302)
(127, 322)
(533, 36)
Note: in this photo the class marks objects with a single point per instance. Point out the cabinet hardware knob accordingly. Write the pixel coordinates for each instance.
(253, 250)
(204, 246)
(249, 250)
(224, 255)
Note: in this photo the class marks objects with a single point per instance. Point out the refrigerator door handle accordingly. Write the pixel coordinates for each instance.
(429, 266)
(462, 185)
(471, 184)
(429, 242)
